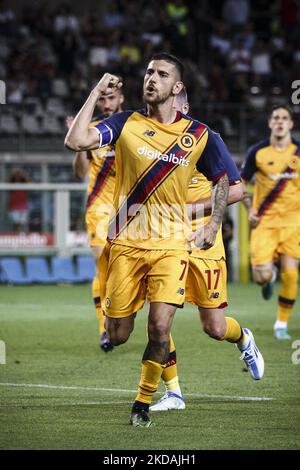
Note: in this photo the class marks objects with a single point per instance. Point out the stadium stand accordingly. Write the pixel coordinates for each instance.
(12, 272)
(63, 269)
(86, 267)
(37, 270)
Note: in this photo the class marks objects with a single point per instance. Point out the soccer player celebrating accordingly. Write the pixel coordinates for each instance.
(274, 213)
(206, 281)
(100, 165)
(156, 153)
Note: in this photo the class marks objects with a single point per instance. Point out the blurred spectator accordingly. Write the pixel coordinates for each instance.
(239, 58)
(219, 38)
(18, 206)
(229, 47)
(65, 20)
(261, 59)
(236, 12)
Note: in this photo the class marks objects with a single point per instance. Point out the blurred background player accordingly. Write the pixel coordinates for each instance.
(274, 213)
(206, 282)
(99, 164)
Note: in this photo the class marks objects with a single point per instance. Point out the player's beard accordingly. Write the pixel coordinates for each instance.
(157, 99)
(110, 112)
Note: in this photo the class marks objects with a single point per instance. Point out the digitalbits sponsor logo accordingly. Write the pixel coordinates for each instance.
(165, 157)
(2, 352)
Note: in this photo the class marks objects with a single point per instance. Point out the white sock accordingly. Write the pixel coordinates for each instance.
(177, 391)
(280, 324)
(245, 344)
(274, 275)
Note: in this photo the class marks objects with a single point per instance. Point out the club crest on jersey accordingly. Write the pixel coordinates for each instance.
(294, 162)
(149, 133)
(187, 141)
(107, 302)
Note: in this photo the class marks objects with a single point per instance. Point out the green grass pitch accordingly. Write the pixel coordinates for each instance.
(59, 391)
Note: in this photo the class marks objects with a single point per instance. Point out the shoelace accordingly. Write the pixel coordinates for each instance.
(249, 355)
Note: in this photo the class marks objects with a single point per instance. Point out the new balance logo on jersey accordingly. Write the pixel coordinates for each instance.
(149, 133)
(180, 291)
(151, 154)
(215, 295)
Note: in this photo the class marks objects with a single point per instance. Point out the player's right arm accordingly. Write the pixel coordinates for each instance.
(80, 162)
(80, 165)
(80, 136)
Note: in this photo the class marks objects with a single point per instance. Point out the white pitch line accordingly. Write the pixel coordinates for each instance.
(80, 403)
(121, 390)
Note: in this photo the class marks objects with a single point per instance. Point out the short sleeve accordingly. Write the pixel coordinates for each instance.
(249, 167)
(231, 168)
(211, 162)
(110, 129)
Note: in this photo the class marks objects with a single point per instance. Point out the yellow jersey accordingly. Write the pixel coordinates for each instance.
(154, 166)
(276, 195)
(102, 175)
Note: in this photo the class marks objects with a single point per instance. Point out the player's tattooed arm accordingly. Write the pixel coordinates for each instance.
(157, 351)
(204, 206)
(220, 202)
(205, 237)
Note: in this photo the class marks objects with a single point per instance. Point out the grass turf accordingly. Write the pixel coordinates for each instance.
(51, 339)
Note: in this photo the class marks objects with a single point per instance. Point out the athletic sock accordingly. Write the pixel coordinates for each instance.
(170, 374)
(287, 294)
(150, 377)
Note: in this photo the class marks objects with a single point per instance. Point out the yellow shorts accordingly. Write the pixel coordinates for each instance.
(97, 219)
(268, 242)
(133, 274)
(206, 283)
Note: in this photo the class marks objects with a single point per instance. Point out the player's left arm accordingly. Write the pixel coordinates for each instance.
(236, 194)
(220, 200)
(211, 164)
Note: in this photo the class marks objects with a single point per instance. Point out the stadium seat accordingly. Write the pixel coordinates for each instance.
(8, 124)
(63, 270)
(55, 107)
(51, 125)
(37, 270)
(86, 267)
(30, 125)
(12, 271)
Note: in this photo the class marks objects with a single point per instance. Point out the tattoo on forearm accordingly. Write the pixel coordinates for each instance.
(220, 200)
(157, 351)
